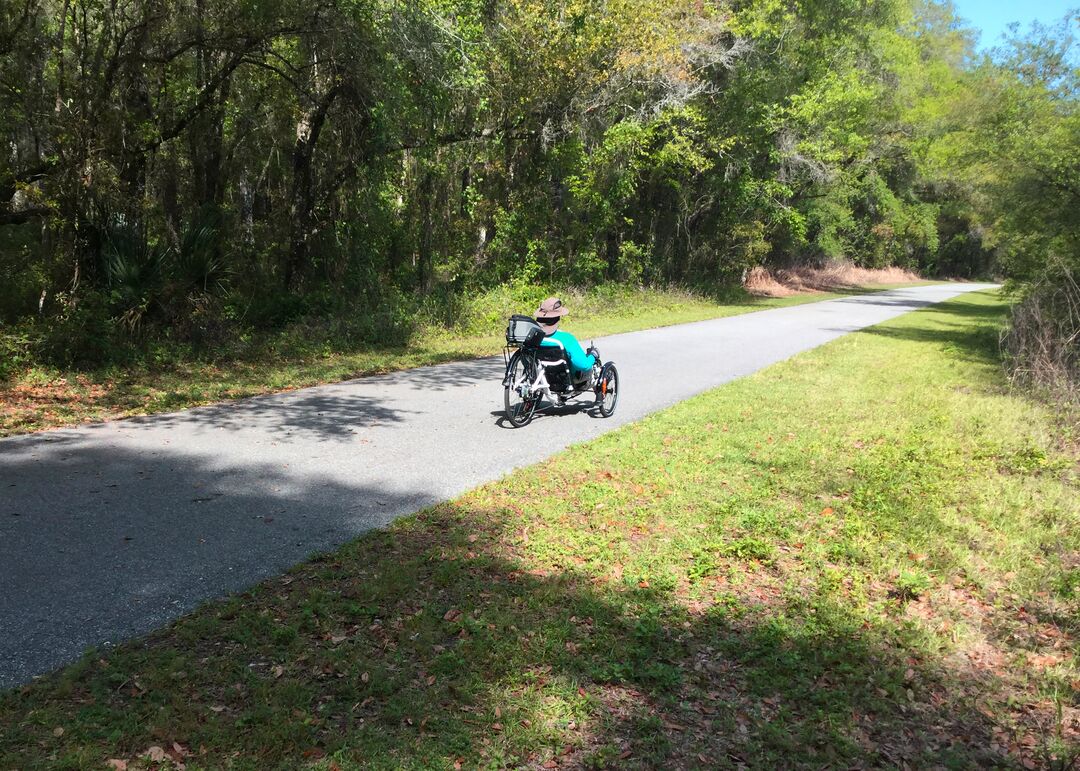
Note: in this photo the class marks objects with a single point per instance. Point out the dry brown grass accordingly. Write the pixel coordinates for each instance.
(828, 278)
(1042, 339)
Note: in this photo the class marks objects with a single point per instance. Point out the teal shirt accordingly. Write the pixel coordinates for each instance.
(579, 360)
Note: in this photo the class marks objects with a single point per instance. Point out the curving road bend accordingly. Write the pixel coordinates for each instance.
(111, 530)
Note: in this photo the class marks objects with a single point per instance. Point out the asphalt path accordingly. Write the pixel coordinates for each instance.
(111, 530)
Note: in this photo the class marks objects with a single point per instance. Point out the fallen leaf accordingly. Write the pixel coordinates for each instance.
(452, 615)
(496, 726)
(1039, 661)
(278, 671)
(58, 731)
(365, 677)
(116, 764)
(827, 511)
(155, 754)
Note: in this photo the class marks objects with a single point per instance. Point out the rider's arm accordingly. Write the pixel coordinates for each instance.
(579, 360)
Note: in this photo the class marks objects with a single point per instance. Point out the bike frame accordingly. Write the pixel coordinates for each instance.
(539, 385)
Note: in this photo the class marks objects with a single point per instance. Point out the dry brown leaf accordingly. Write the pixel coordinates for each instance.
(117, 764)
(155, 754)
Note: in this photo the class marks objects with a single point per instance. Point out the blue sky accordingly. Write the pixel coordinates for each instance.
(992, 16)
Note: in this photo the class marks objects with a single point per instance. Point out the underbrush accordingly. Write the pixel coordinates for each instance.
(829, 277)
(1042, 340)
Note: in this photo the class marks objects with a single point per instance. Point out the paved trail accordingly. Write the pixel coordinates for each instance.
(112, 530)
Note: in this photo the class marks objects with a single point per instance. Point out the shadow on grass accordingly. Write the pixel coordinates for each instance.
(440, 641)
(976, 342)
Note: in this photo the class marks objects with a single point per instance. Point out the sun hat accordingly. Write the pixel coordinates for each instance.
(549, 313)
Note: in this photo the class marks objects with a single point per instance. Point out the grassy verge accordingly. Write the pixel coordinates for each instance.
(864, 556)
(42, 397)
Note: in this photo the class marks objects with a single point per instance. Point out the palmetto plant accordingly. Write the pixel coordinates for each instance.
(135, 274)
(145, 278)
(200, 266)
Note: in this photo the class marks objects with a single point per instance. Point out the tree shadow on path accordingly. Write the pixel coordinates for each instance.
(440, 641)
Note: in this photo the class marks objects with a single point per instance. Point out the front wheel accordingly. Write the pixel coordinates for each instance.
(518, 399)
(607, 391)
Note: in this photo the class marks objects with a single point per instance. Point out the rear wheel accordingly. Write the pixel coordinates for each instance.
(519, 401)
(607, 392)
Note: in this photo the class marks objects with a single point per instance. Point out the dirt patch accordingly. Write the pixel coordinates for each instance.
(828, 278)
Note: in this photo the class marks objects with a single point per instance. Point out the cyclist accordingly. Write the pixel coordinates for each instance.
(548, 316)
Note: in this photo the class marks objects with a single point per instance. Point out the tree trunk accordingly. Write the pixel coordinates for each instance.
(302, 194)
(427, 226)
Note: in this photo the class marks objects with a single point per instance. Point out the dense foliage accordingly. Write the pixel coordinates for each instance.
(192, 169)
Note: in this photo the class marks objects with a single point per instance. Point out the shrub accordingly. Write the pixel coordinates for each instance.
(1042, 339)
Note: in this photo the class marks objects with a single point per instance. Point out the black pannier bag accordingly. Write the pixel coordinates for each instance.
(523, 331)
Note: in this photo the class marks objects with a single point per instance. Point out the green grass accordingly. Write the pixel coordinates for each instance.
(311, 352)
(864, 556)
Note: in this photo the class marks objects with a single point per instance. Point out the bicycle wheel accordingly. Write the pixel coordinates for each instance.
(607, 394)
(519, 401)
